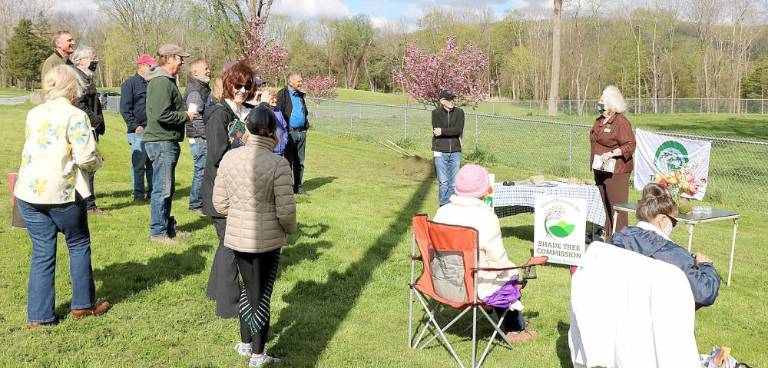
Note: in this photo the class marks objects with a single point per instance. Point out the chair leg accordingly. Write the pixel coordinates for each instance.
(446, 327)
(497, 330)
(440, 331)
(474, 335)
(410, 318)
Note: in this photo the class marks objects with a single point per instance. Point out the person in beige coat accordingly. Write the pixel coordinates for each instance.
(499, 289)
(254, 189)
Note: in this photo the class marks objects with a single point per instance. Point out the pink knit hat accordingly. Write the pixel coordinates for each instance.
(472, 181)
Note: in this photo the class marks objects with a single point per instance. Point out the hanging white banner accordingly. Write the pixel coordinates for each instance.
(682, 164)
(559, 228)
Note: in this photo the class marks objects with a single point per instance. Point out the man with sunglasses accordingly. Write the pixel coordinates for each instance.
(166, 119)
(656, 211)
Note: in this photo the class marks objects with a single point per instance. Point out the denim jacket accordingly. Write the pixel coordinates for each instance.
(704, 280)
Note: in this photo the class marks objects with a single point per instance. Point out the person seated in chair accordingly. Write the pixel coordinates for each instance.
(656, 211)
(499, 289)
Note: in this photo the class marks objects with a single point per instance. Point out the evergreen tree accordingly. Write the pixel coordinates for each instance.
(756, 82)
(26, 52)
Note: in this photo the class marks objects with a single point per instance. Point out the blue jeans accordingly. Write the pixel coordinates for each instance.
(141, 166)
(90, 201)
(446, 167)
(44, 222)
(295, 152)
(199, 156)
(164, 156)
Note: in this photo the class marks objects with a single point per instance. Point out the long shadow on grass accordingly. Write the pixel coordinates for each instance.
(315, 310)
(314, 183)
(120, 281)
(563, 351)
(523, 232)
(128, 201)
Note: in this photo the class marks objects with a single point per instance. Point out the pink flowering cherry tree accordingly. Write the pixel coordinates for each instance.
(320, 87)
(423, 74)
(266, 57)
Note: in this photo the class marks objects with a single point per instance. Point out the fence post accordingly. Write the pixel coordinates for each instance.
(477, 131)
(405, 121)
(351, 116)
(570, 150)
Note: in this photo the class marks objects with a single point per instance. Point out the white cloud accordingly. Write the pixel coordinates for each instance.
(74, 6)
(305, 9)
(378, 21)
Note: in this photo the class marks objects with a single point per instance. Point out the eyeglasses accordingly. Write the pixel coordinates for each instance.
(672, 219)
(247, 86)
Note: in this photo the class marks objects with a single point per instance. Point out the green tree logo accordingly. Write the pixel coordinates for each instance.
(561, 228)
(670, 157)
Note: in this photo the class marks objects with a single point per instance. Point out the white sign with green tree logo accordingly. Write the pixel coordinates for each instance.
(560, 229)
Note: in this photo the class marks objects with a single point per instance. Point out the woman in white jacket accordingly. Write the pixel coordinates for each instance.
(499, 289)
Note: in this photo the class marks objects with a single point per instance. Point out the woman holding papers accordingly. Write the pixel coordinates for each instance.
(612, 144)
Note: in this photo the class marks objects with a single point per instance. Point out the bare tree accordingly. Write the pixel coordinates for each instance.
(554, 81)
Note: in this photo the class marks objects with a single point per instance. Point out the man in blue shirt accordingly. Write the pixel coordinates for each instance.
(290, 99)
(133, 109)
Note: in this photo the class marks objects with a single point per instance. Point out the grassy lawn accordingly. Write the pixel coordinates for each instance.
(341, 297)
(13, 92)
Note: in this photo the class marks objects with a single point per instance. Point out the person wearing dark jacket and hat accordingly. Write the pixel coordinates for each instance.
(166, 119)
(290, 101)
(656, 211)
(447, 135)
(237, 88)
(133, 108)
(195, 98)
(85, 62)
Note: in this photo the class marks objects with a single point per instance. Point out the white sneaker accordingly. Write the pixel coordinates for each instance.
(243, 349)
(262, 360)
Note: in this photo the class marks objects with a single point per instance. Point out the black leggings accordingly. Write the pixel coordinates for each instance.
(255, 269)
(513, 321)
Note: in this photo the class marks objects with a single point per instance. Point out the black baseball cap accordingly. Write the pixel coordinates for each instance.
(261, 120)
(447, 95)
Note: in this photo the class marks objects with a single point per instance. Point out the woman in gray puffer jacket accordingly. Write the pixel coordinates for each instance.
(254, 189)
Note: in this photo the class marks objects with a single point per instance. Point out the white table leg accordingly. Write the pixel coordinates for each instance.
(615, 218)
(690, 236)
(733, 248)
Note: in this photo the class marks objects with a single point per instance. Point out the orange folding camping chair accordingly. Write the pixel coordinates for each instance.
(437, 241)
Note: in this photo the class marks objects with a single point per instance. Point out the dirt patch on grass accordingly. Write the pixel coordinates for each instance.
(414, 167)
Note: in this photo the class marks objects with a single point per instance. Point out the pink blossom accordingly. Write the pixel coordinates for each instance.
(266, 58)
(424, 75)
(318, 86)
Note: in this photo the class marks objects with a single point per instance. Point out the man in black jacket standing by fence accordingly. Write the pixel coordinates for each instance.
(195, 98)
(133, 94)
(447, 135)
(290, 99)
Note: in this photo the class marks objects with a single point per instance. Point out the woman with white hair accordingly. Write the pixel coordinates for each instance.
(611, 138)
(58, 155)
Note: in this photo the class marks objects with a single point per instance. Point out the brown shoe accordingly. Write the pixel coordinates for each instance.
(97, 310)
(163, 239)
(522, 336)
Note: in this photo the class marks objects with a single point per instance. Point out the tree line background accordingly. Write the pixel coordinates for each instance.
(651, 49)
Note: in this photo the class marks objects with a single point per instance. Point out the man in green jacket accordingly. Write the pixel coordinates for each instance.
(165, 129)
(63, 46)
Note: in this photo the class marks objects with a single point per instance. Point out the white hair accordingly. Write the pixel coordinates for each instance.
(62, 81)
(82, 52)
(614, 100)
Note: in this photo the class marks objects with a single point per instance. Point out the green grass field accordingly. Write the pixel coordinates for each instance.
(341, 297)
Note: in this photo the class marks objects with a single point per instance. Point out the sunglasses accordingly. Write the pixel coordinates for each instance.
(672, 219)
(247, 86)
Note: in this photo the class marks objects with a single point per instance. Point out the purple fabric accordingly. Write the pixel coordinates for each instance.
(505, 296)
(282, 132)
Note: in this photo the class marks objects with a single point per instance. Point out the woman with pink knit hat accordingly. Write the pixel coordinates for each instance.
(499, 289)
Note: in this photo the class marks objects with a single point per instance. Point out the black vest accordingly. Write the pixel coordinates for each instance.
(196, 128)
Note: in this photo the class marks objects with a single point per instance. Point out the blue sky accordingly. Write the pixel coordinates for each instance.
(380, 11)
(393, 10)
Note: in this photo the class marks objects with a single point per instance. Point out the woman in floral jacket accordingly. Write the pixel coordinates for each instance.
(59, 152)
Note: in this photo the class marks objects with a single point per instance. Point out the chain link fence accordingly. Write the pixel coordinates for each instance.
(642, 106)
(738, 175)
